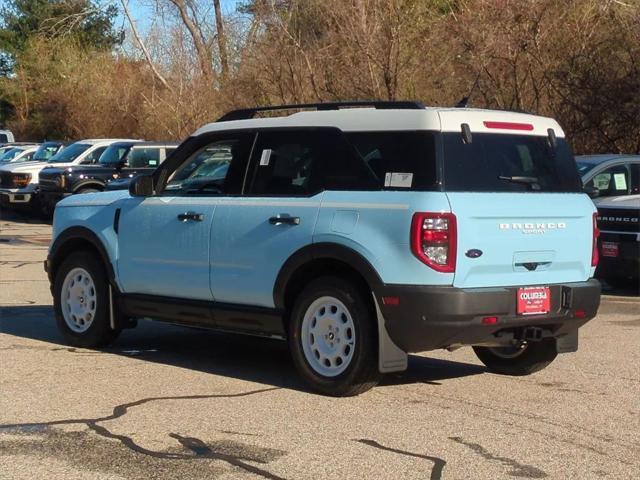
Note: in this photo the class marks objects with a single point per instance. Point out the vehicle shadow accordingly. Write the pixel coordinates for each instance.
(630, 290)
(23, 215)
(254, 359)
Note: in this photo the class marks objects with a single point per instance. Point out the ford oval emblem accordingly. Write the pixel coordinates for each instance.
(473, 253)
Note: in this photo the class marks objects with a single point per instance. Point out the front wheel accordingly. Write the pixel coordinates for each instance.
(332, 337)
(519, 360)
(81, 302)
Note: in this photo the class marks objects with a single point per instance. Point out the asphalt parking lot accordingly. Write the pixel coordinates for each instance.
(174, 403)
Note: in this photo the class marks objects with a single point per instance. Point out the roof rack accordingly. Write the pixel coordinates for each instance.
(247, 113)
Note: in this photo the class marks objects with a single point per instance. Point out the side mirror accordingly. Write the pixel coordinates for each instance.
(141, 186)
(592, 191)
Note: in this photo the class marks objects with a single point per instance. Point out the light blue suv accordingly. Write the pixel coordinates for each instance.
(356, 234)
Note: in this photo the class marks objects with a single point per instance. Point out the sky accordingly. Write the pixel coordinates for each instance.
(143, 13)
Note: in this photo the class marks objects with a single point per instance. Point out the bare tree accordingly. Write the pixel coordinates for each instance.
(222, 41)
(142, 46)
(200, 44)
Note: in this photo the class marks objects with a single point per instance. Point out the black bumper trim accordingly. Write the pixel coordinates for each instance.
(428, 318)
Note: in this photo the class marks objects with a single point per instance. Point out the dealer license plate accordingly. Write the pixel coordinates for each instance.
(534, 300)
(610, 249)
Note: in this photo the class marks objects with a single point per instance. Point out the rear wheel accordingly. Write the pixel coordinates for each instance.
(332, 338)
(87, 190)
(519, 360)
(81, 301)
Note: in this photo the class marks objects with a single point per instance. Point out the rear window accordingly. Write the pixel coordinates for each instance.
(399, 160)
(508, 163)
(144, 157)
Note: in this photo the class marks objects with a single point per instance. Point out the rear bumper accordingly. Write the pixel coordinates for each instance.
(427, 318)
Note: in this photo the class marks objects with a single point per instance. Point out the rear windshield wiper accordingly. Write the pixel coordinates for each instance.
(533, 181)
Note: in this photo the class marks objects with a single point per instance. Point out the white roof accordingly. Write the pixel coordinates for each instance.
(429, 118)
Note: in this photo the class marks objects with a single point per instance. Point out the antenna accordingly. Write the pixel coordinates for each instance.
(465, 101)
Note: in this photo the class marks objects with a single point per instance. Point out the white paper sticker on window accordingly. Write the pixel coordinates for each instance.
(398, 180)
(264, 159)
(620, 180)
(153, 162)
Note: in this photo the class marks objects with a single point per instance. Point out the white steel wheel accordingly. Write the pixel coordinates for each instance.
(78, 300)
(328, 336)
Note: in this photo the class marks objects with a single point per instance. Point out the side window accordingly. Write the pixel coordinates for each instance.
(216, 168)
(143, 157)
(399, 160)
(612, 181)
(93, 156)
(301, 163)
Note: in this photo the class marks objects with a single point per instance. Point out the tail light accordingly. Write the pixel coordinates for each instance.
(434, 240)
(595, 255)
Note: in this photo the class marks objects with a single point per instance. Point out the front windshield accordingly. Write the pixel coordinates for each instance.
(584, 167)
(45, 152)
(114, 154)
(69, 154)
(10, 154)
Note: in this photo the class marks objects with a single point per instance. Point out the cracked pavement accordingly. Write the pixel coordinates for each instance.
(166, 402)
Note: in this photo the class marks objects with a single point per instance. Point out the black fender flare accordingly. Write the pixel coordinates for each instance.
(319, 251)
(69, 235)
(89, 183)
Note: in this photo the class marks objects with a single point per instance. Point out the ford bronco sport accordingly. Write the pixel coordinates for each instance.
(356, 234)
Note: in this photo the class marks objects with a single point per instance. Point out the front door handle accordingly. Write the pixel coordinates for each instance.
(279, 220)
(191, 216)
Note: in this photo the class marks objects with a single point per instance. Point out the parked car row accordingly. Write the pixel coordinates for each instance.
(38, 176)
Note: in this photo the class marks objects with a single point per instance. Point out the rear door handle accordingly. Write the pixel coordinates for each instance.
(191, 216)
(279, 220)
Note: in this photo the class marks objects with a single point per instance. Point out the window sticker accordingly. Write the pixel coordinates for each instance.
(153, 162)
(620, 180)
(398, 180)
(601, 181)
(264, 159)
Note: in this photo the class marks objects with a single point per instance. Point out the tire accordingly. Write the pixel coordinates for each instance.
(82, 308)
(332, 322)
(532, 358)
(87, 190)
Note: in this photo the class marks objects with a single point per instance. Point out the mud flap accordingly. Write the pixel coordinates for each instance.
(567, 343)
(116, 320)
(391, 358)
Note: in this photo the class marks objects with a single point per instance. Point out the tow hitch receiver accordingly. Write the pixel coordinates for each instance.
(535, 334)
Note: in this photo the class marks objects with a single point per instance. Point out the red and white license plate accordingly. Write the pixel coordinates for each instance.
(610, 249)
(534, 300)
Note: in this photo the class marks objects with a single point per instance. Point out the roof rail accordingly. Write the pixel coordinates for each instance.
(247, 113)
